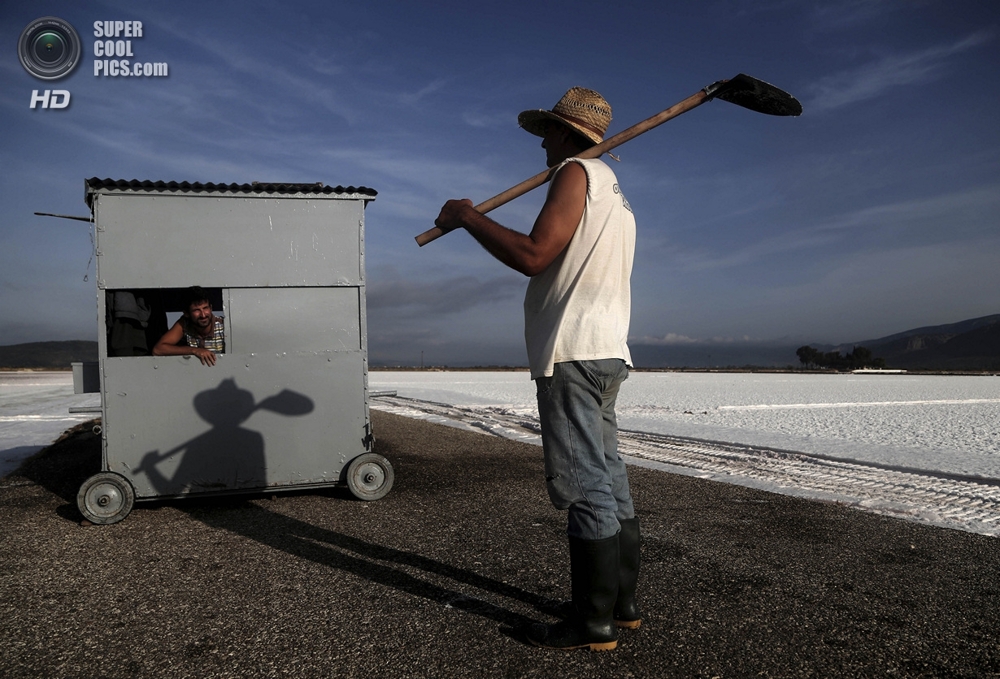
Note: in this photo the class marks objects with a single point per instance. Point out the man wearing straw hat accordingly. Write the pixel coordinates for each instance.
(579, 257)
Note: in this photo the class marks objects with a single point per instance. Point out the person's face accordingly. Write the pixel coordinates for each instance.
(200, 313)
(557, 144)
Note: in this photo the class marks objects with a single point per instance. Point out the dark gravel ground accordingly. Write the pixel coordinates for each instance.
(436, 579)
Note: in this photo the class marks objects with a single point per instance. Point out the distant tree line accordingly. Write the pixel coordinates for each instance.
(860, 357)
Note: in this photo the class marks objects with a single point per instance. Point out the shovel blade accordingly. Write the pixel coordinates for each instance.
(756, 95)
(287, 402)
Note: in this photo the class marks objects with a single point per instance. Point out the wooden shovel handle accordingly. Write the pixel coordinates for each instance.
(593, 152)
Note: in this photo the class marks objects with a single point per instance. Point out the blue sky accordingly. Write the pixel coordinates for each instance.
(874, 212)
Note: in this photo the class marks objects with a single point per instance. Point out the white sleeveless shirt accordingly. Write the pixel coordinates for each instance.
(578, 309)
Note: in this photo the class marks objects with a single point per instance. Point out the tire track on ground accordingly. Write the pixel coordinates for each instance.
(940, 499)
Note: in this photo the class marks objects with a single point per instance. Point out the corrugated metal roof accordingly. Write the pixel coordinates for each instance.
(96, 185)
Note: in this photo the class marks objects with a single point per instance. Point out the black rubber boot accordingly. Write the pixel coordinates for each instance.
(594, 566)
(626, 612)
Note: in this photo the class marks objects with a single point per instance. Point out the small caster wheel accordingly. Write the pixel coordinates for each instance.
(105, 498)
(369, 476)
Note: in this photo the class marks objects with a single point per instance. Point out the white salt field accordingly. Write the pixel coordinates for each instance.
(921, 447)
(34, 411)
(944, 423)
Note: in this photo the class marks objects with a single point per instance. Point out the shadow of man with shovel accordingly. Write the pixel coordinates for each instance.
(228, 456)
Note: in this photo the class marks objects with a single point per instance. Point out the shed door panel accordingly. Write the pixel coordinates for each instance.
(175, 427)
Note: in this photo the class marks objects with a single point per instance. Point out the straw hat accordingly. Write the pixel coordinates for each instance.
(584, 110)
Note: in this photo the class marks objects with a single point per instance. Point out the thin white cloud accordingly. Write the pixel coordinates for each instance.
(411, 98)
(847, 14)
(669, 339)
(487, 120)
(692, 261)
(944, 210)
(444, 297)
(230, 55)
(919, 220)
(430, 174)
(672, 339)
(874, 79)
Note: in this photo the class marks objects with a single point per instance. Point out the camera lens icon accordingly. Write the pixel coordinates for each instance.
(49, 48)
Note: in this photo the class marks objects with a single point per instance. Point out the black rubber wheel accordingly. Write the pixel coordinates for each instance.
(105, 498)
(369, 476)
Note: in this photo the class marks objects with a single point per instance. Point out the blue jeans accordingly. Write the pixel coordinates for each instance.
(583, 472)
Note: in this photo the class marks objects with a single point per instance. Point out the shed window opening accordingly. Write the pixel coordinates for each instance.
(137, 319)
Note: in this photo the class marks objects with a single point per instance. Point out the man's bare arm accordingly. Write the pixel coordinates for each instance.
(169, 346)
(556, 223)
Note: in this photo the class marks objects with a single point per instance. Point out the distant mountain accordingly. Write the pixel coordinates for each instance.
(968, 345)
(47, 355)
(951, 329)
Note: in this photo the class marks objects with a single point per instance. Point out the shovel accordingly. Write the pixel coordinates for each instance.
(743, 90)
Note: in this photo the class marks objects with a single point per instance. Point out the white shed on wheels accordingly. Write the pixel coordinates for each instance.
(285, 406)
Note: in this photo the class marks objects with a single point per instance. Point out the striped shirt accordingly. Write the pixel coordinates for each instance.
(215, 342)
